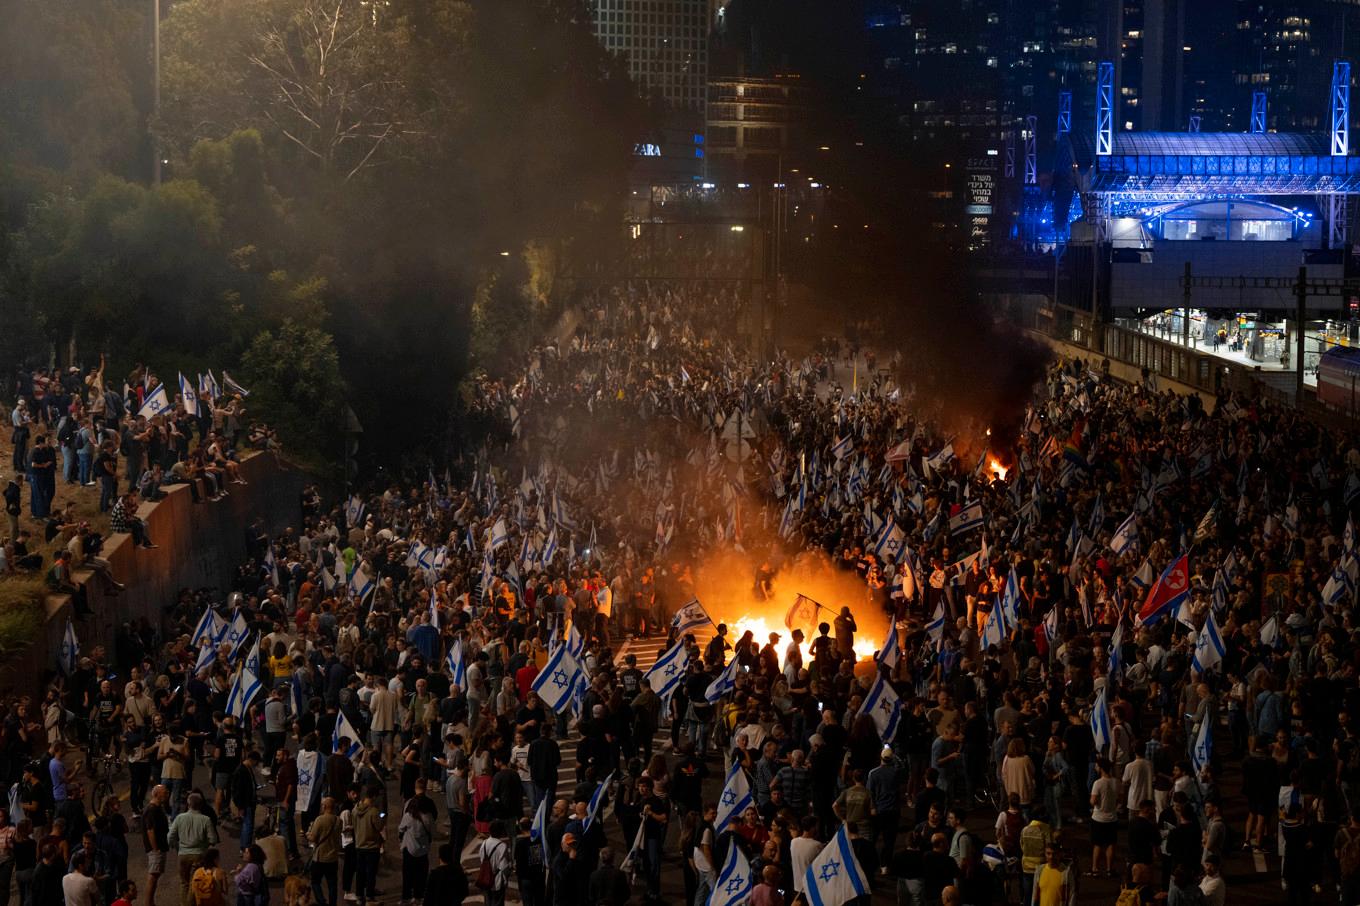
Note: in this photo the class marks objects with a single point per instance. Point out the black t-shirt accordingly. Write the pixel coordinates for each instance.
(104, 706)
(653, 828)
(228, 752)
(157, 824)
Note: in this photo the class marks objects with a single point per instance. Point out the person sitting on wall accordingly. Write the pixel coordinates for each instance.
(124, 518)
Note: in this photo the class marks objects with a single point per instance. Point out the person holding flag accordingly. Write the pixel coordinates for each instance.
(835, 877)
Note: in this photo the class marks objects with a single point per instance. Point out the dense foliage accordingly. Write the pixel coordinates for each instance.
(340, 182)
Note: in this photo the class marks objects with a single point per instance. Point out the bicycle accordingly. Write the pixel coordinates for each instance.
(104, 769)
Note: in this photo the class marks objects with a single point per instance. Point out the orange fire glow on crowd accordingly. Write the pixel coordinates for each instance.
(726, 585)
(996, 468)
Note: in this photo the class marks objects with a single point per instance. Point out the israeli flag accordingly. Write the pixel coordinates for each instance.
(835, 876)
(1100, 723)
(271, 567)
(308, 768)
(1125, 536)
(668, 671)
(346, 729)
(1209, 649)
(207, 653)
(1203, 751)
(735, 881)
(736, 796)
(556, 682)
(940, 459)
(597, 801)
(253, 658)
(725, 683)
(885, 707)
(575, 644)
(209, 627)
(993, 633)
(1051, 624)
(1116, 655)
(538, 831)
(787, 522)
(298, 695)
(935, 628)
(1145, 576)
(457, 666)
(690, 617)
(500, 534)
(188, 397)
(232, 386)
(69, 655)
(1097, 515)
(549, 551)
(157, 403)
(843, 447)
(360, 584)
(1010, 602)
(236, 632)
(966, 519)
(890, 654)
(1221, 590)
(244, 687)
(889, 540)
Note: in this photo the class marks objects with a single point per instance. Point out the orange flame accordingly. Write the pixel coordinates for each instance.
(997, 469)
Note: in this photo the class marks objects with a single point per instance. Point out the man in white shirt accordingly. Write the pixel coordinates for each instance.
(802, 850)
(1211, 885)
(1138, 778)
(78, 887)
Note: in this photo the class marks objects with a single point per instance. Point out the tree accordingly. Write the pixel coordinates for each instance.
(294, 377)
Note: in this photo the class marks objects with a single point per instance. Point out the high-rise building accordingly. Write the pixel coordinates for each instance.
(1285, 48)
(665, 43)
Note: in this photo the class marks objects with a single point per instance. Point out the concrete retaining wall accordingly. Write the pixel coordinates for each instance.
(200, 545)
(1121, 370)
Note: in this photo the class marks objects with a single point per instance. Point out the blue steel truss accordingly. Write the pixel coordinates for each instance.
(1105, 110)
(1194, 123)
(1341, 108)
(1258, 112)
(1010, 153)
(1031, 151)
(1064, 112)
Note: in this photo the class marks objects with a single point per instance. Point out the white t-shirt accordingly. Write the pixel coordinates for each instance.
(802, 850)
(80, 890)
(1105, 793)
(1138, 775)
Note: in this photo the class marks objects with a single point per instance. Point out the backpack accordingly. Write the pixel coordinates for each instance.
(204, 888)
(1128, 896)
(487, 875)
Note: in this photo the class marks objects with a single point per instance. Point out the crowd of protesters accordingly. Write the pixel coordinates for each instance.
(619, 467)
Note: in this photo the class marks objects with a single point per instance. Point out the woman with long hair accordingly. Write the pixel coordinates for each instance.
(417, 833)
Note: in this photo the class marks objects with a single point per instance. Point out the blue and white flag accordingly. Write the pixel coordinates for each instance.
(1051, 625)
(1203, 751)
(725, 682)
(597, 801)
(966, 519)
(835, 876)
(668, 671)
(1116, 653)
(346, 729)
(993, 632)
(690, 617)
(556, 682)
(253, 658)
(1209, 649)
(244, 687)
(935, 628)
(1100, 723)
(157, 402)
(232, 387)
(736, 796)
(889, 655)
(941, 459)
(188, 397)
(271, 567)
(575, 643)
(1145, 576)
(1097, 515)
(500, 535)
(1010, 602)
(1337, 587)
(545, 556)
(308, 768)
(889, 540)
(456, 664)
(885, 707)
(69, 655)
(843, 447)
(735, 881)
(207, 653)
(360, 584)
(1125, 536)
(236, 632)
(298, 695)
(1348, 535)
(209, 627)
(538, 831)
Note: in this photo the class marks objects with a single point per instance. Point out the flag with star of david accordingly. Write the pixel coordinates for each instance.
(835, 876)
(735, 798)
(668, 671)
(556, 681)
(885, 707)
(308, 767)
(735, 881)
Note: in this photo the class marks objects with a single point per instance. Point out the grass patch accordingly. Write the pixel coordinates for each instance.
(22, 610)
